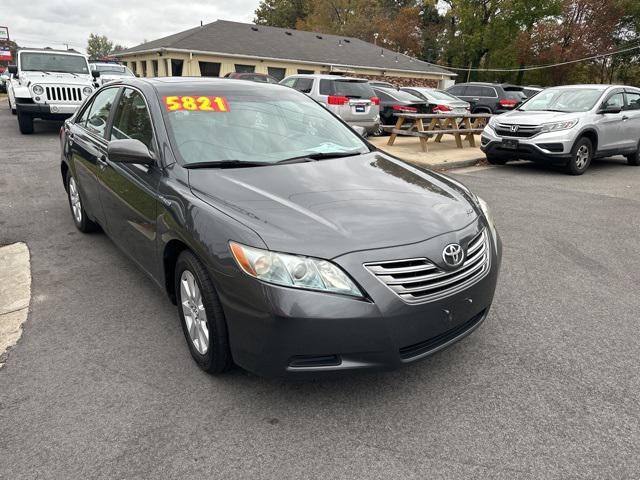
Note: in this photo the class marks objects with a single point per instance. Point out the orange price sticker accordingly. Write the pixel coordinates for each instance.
(196, 103)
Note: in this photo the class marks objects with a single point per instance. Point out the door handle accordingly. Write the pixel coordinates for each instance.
(102, 162)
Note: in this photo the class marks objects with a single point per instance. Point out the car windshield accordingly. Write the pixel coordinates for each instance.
(401, 95)
(563, 100)
(352, 88)
(114, 69)
(263, 124)
(440, 95)
(51, 62)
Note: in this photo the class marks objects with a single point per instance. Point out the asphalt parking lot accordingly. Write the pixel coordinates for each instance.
(101, 384)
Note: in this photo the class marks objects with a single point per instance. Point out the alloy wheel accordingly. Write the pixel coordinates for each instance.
(582, 157)
(76, 205)
(195, 316)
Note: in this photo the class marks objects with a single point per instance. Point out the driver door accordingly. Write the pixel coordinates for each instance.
(128, 192)
(612, 135)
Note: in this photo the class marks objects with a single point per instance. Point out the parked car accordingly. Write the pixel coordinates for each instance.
(4, 79)
(568, 125)
(352, 99)
(48, 84)
(253, 77)
(531, 91)
(397, 101)
(487, 97)
(375, 83)
(439, 100)
(110, 71)
(288, 242)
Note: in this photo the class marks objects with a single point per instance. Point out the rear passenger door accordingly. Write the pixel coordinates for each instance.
(129, 191)
(87, 144)
(632, 111)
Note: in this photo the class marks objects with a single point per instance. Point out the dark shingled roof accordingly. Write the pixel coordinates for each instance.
(235, 38)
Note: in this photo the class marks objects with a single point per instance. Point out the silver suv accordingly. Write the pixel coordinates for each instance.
(568, 125)
(352, 99)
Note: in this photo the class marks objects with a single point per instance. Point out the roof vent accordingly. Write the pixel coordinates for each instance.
(319, 37)
(288, 33)
(255, 29)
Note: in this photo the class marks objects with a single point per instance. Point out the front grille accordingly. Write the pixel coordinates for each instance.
(524, 131)
(432, 343)
(418, 280)
(64, 94)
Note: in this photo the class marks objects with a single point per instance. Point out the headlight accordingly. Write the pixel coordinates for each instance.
(87, 91)
(38, 90)
(487, 213)
(492, 121)
(293, 270)
(555, 126)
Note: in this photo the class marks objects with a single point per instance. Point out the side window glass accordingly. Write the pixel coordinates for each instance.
(289, 82)
(615, 100)
(304, 85)
(633, 101)
(132, 119)
(458, 90)
(82, 118)
(326, 87)
(99, 111)
(487, 92)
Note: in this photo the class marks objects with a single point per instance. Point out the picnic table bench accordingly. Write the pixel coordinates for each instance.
(461, 126)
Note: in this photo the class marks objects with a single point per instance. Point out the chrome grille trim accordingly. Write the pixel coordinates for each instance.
(524, 131)
(63, 94)
(418, 280)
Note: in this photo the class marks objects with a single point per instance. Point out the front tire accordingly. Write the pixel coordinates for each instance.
(78, 213)
(201, 315)
(25, 123)
(581, 156)
(634, 158)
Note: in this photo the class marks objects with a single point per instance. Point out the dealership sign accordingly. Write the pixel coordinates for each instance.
(4, 33)
(5, 55)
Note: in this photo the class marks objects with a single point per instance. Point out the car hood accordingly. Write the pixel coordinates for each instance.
(331, 207)
(534, 118)
(55, 78)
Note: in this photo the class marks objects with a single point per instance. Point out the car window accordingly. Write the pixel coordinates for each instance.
(421, 95)
(132, 119)
(577, 99)
(254, 124)
(457, 90)
(81, 119)
(289, 82)
(633, 101)
(351, 88)
(383, 96)
(615, 100)
(304, 85)
(99, 111)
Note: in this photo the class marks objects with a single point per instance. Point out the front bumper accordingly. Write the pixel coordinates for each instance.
(554, 147)
(48, 111)
(278, 331)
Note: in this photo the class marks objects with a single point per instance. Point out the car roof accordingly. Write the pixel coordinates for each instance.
(187, 85)
(326, 76)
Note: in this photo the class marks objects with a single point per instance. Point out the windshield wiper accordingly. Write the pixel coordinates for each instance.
(321, 156)
(226, 164)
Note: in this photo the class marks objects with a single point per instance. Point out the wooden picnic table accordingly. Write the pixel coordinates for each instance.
(458, 125)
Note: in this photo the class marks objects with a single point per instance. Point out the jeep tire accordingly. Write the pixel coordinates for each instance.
(25, 122)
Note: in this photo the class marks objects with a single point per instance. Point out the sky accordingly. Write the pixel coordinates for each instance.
(56, 23)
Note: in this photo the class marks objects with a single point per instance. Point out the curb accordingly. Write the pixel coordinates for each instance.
(457, 164)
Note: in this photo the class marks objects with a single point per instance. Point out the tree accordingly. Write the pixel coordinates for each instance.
(99, 46)
(281, 13)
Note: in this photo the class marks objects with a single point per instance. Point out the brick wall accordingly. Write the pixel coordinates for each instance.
(399, 81)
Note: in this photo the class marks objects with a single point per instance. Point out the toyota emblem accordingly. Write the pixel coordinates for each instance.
(453, 255)
(514, 128)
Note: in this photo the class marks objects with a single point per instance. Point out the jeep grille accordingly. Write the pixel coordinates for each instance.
(64, 94)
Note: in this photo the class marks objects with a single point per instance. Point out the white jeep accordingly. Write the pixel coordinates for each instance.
(48, 84)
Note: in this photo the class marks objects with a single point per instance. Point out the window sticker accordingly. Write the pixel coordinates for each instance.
(196, 103)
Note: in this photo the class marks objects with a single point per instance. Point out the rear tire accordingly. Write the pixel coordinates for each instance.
(581, 156)
(493, 160)
(201, 315)
(25, 123)
(78, 213)
(634, 158)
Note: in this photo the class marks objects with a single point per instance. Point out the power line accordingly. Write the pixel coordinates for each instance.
(540, 67)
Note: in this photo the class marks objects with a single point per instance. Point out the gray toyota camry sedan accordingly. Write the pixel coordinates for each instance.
(289, 244)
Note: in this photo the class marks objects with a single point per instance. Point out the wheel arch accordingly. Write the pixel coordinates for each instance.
(592, 135)
(170, 254)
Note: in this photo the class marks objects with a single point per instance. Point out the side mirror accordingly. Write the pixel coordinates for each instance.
(95, 73)
(129, 151)
(13, 69)
(610, 109)
(360, 130)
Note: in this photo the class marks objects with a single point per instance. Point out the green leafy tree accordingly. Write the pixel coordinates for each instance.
(99, 46)
(281, 13)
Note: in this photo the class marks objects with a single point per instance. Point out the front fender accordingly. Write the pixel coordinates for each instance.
(20, 91)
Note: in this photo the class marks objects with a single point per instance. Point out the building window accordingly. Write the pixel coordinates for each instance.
(302, 71)
(277, 73)
(209, 69)
(154, 68)
(132, 66)
(245, 68)
(144, 68)
(176, 68)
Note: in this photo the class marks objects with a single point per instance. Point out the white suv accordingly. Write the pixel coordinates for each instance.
(48, 84)
(568, 125)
